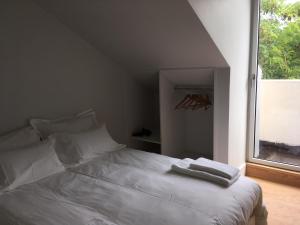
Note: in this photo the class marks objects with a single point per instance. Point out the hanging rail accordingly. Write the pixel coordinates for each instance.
(194, 88)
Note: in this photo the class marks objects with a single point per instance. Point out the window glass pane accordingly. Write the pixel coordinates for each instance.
(278, 85)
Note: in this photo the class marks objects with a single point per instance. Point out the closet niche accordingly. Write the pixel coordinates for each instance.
(186, 112)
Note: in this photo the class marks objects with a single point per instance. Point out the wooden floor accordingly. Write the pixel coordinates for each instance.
(282, 202)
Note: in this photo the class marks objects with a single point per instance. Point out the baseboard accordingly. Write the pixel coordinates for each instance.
(273, 174)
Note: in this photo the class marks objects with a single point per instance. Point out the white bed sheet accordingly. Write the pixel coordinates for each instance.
(130, 187)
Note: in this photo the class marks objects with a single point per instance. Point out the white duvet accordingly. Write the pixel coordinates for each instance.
(130, 187)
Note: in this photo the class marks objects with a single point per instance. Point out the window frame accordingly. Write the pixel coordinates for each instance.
(253, 108)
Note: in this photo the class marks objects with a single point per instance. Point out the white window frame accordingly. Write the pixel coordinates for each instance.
(254, 74)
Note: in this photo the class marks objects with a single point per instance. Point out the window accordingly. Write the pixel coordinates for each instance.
(274, 115)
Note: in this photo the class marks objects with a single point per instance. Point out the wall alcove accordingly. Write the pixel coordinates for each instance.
(186, 131)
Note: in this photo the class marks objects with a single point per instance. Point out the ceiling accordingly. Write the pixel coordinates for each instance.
(143, 36)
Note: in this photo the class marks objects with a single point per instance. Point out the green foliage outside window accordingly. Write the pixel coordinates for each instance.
(279, 39)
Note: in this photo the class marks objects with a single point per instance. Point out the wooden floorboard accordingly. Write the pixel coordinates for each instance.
(273, 174)
(282, 202)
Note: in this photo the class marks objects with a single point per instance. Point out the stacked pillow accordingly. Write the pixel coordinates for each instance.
(24, 159)
(66, 142)
(28, 164)
(78, 138)
(74, 148)
(81, 122)
(19, 138)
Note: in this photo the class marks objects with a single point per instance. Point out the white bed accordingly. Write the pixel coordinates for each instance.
(130, 187)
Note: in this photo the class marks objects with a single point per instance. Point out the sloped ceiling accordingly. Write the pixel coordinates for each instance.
(144, 36)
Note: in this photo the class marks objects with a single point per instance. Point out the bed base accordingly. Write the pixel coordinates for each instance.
(251, 220)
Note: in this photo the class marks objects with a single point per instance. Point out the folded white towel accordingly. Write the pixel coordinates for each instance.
(216, 168)
(183, 167)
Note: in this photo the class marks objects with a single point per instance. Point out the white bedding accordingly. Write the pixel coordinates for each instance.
(130, 187)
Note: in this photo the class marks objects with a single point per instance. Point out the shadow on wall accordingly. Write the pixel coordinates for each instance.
(48, 71)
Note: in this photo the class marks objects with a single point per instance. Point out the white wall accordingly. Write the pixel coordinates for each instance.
(142, 110)
(279, 111)
(172, 125)
(48, 71)
(221, 114)
(228, 23)
(199, 132)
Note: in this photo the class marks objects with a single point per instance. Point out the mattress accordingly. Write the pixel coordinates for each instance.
(130, 187)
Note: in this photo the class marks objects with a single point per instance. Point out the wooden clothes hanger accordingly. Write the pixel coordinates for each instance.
(194, 102)
(183, 102)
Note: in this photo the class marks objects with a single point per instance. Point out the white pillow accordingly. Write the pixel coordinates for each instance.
(19, 138)
(66, 149)
(80, 147)
(26, 165)
(80, 122)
